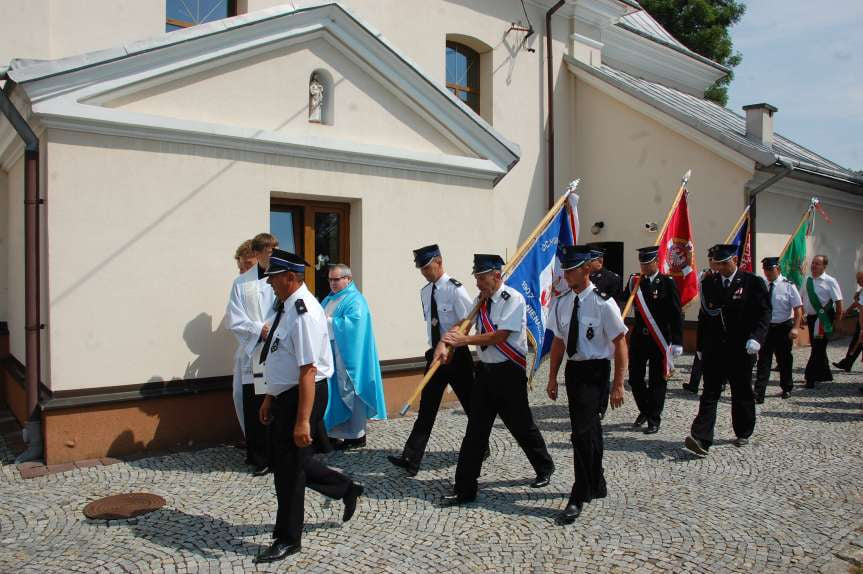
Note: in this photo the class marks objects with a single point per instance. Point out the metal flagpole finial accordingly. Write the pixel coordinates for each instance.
(573, 185)
(686, 177)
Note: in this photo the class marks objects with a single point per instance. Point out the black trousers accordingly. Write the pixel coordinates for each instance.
(818, 366)
(257, 451)
(500, 389)
(459, 375)
(584, 383)
(295, 468)
(695, 373)
(649, 397)
(736, 367)
(776, 343)
(854, 347)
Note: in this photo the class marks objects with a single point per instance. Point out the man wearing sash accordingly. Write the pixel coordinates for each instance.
(445, 303)
(249, 316)
(732, 324)
(501, 384)
(822, 303)
(656, 339)
(356, 387)
(297, 361)
(588, 328)
(784, 327)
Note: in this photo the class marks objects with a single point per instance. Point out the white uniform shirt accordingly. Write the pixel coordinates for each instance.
(785, 299)
(507, 314)
(453, 304)
(246, 323)
(300, 339)
(826, 289)
(597, 316)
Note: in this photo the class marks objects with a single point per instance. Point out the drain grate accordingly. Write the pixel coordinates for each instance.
(123, 506)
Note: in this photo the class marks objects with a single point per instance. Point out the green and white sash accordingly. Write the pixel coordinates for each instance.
(823, 325)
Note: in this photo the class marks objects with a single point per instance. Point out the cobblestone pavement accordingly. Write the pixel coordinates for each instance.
(789, 502)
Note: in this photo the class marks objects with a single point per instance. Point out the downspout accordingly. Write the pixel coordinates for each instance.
(32, 324)
(548, 55)
(789, 167)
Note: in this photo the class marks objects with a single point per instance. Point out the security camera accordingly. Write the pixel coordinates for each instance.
(597, 227)
(651, 227)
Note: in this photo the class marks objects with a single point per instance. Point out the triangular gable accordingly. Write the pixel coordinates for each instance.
(103, 92)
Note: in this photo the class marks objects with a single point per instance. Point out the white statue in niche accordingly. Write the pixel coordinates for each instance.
(316, 100)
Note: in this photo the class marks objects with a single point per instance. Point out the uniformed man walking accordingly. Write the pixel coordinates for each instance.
(785, 322)
(298, 360)
(822, 302)
(589, 330)
(695, 374)
(501, 384)
(658, 324)
(610, 283)
(732, 325)
(445, 303)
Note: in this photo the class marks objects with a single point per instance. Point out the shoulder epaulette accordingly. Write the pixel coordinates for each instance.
(504, 295)
(455, 282)
(301, 306)
(603, 295)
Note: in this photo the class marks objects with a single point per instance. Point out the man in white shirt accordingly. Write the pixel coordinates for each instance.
(856, 343)
(822, 303)
(784, 328)
(588, 328)
(297, 361)
(445, 303)
(501, 384)
(249, 316)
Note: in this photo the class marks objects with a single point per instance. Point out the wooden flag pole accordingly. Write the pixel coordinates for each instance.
(465, 325)
(737, 225)
(806, 215)
(680, 192)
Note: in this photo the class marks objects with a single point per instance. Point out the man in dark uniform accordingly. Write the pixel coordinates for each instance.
(786, 317)
(732, 325)
(695, 373)
(445, 303)
(588, 331)
(501, 383)
(610, 283)
(298, 359)
(661, 308)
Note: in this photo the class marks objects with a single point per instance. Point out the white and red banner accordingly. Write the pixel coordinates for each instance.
(677, 252)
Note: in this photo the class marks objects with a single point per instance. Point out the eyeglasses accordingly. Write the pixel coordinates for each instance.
(334, 279)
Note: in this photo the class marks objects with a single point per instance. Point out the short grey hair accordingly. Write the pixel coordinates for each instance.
(343, 269)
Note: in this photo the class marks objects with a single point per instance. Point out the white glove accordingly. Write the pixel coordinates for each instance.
(676, 351)
(752, 346)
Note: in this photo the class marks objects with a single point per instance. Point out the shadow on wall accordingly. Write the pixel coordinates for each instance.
(180, 414)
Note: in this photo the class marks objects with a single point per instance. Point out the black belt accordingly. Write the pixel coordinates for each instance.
(787, 323)
(590, 362)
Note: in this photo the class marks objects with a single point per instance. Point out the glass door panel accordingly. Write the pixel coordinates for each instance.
(327, 248)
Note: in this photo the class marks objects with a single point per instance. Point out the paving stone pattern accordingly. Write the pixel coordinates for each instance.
(789, 502)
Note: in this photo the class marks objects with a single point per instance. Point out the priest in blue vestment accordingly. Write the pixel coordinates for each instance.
(356, 387)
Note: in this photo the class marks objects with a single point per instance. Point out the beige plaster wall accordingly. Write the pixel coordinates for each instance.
(141, 255)
(632, 165)
(271, 92)
(48, 29)
(4, 246)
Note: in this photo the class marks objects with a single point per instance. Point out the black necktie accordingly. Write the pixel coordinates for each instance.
(280, 308)
(435, 321)
(770, 294)
(488, 314)
(572, 339)
(726, 282)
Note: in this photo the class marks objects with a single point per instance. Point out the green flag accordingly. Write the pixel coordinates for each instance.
(794, 257)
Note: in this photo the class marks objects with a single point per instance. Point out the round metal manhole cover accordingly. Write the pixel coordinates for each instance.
(123, 506)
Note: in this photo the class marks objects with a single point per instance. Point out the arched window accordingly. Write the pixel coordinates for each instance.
(181, 14)
(462, 73)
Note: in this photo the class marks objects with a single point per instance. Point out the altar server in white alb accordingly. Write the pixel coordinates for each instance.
(249, 316)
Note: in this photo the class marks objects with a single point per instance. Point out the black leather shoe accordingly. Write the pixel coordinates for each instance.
(350, 443)
(843, 365)
(278, 550)
(261, 470)
(350, 500)
(786, 394)
(639, 420)
(691, 388)
(739, 442)
(759, 400)
(651, 429)
(402, 462)
(694, 445)
(456, 499)
(541, 480)
(569, 514)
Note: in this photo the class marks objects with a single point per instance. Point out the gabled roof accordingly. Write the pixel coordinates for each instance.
(65, 92)
(719, 123)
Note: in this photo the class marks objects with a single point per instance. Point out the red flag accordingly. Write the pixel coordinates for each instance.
(677, 252)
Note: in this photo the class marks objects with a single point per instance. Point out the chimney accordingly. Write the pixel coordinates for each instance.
(759, 123)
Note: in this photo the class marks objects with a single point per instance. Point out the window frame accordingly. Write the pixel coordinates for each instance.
(183, 24)
(473, 58)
